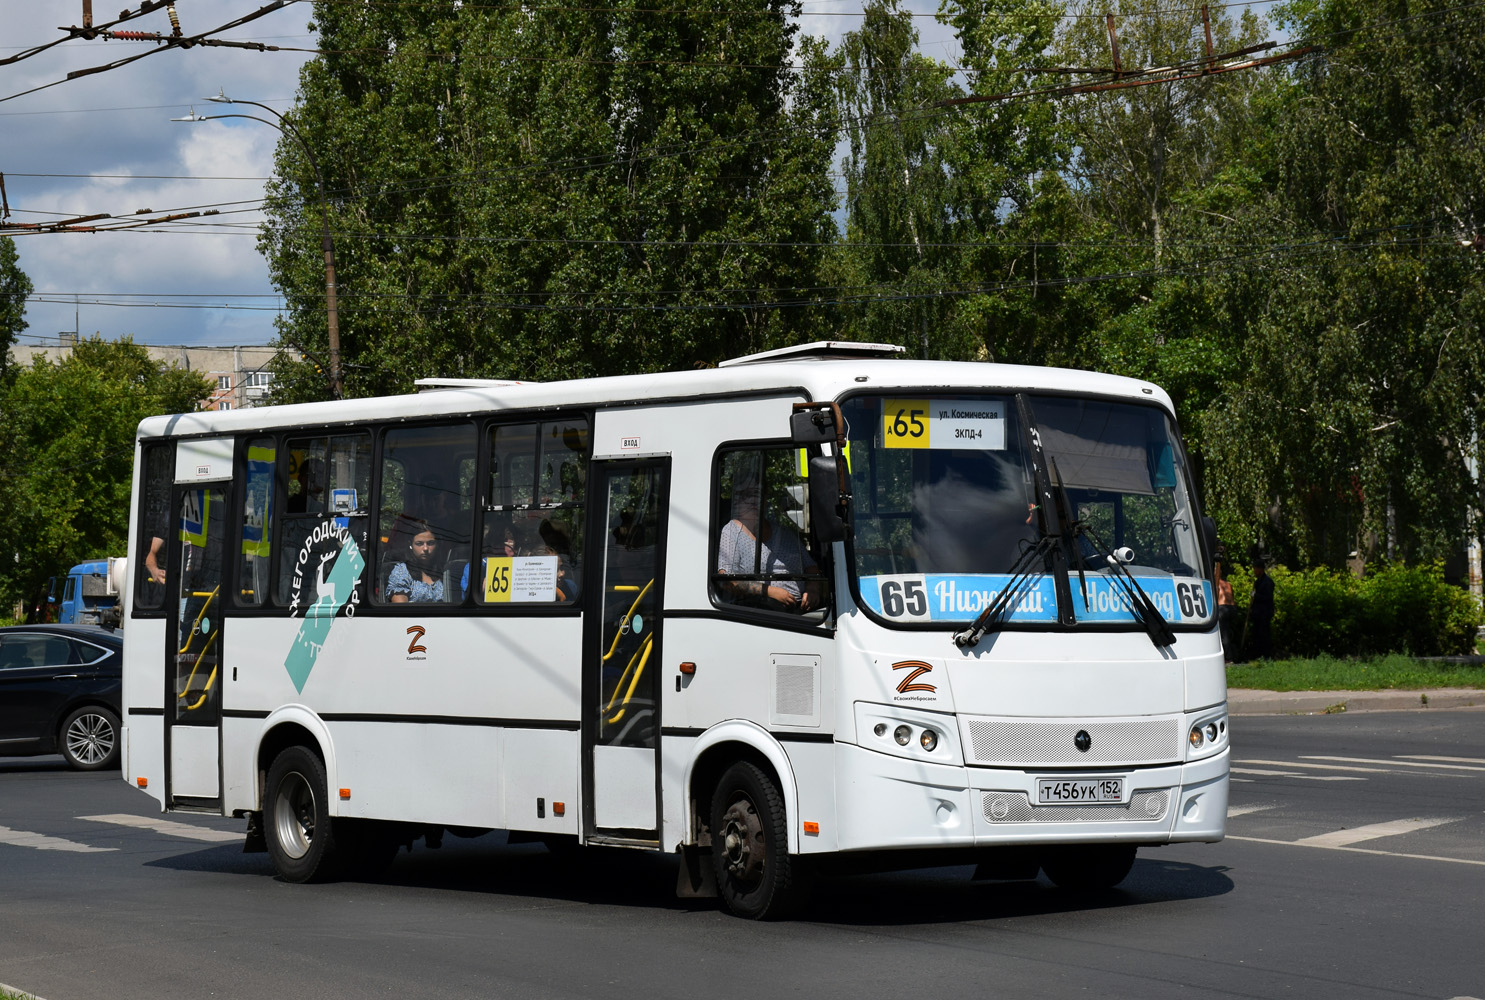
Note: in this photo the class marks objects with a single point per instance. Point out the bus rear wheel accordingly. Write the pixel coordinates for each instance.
(757, 878)
(296, 818)
(1085, 867)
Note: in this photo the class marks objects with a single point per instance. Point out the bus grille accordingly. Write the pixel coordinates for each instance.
(1022, 743)
(1147, 805)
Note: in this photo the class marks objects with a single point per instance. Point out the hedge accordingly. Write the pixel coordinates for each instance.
(1392, 609)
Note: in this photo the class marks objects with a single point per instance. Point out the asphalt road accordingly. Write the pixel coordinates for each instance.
(1355, 868)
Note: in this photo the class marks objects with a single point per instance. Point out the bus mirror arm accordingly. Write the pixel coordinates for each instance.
(827, 500)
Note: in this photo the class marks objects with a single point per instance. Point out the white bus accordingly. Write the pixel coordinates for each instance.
(820, 608)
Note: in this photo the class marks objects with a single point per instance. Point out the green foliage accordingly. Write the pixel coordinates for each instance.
(1366, 673)
(67, 455)
(1392, 609)
(14, 287)
(552, 192)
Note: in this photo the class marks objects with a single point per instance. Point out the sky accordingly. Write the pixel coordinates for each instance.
(106, 143)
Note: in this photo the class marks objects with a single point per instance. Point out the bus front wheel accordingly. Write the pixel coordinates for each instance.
(757, 878)
(1089, 866)
(296, 818)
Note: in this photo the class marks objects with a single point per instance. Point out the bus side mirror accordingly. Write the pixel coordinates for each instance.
(51, 590)
(1209, 535)
(825, 499)
(807, 427)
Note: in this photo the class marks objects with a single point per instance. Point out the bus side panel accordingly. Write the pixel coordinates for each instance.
(144, 688)
(541, 765)
(814, 772)
(448, 775)
(485, 672)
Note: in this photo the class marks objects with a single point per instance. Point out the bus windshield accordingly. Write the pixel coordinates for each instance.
(946, 505)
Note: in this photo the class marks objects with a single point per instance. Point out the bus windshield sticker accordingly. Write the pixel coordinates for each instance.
(944, 424)
(521, 579)
(960, 597)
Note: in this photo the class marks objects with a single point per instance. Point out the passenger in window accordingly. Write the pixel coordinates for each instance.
(419, 577)
(746, 536)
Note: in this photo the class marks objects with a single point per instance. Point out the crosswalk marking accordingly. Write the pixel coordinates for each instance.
(1294, 774)
(1245, 810)
(1358, 850)
(1396, 763)
(168, 827)
(1321, 767)
(1447, 760)
(40, 841)
(1358, 834)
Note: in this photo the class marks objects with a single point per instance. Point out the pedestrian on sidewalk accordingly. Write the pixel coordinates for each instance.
(1261, 613)
(1226, 607)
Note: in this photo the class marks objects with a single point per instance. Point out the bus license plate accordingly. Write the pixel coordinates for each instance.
(1076, 791)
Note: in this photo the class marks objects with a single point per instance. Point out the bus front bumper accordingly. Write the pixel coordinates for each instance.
(893, 803)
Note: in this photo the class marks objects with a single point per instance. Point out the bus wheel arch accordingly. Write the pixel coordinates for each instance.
(718, 749)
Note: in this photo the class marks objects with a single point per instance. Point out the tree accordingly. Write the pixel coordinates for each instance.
(1354, 423)
(67, 451)
(14, 287)
(552, 192)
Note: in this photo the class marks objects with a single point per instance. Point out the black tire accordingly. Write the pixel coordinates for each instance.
(757, 878)
(89, 739)
(296, 818)
(1085, 867)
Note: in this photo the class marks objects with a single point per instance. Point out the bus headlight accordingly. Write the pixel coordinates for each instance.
(902, 734)
(1197, 739)
(929, 740)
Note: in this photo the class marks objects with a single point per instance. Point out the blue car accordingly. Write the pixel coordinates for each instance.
(59, 693)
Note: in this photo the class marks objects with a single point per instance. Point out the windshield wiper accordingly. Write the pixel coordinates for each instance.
(1049, 546)
(991, 618)
(1139, 602)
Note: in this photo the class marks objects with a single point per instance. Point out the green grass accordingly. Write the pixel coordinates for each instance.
(1327, 673)
(8, 995)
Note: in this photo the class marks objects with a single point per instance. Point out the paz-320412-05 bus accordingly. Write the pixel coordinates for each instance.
(817, 607)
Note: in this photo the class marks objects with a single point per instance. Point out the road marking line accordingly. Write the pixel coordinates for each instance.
(1357, 850)
(40, 841)
(166, 826)
(1357, 834)
(1245, 810)
(1294, 774)
(1322, 767)
(1397, 763)
(1456, 760)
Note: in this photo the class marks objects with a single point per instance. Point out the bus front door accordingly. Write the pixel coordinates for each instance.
(621, 691)
(193, 646)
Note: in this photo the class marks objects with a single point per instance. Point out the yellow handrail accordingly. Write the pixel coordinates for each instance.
(634, 682)
(186, 649)
(618, 632)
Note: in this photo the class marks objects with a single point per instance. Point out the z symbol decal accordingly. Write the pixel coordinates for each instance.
(918, 668)
(417, 632)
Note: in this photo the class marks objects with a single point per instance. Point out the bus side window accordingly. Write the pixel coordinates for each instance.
(154, 529)
(763, 556)
(325, 481)
(425, 513)
(531, 526)
(256, 530)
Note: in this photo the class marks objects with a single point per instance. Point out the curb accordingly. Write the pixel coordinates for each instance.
(1246, 701)
(19, 993)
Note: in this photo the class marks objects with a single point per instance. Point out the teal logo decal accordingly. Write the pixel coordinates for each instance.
(324, 588)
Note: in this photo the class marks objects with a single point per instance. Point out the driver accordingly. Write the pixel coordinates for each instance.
(747, 536)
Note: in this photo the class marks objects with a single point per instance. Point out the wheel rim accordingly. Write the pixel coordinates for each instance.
(90, 738)
(294, 815)
(744, 843)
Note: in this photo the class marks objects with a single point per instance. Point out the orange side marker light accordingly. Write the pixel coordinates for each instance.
(688, 668)
(345, 793)
(559, 808)
(813, 829)
(142, 782)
